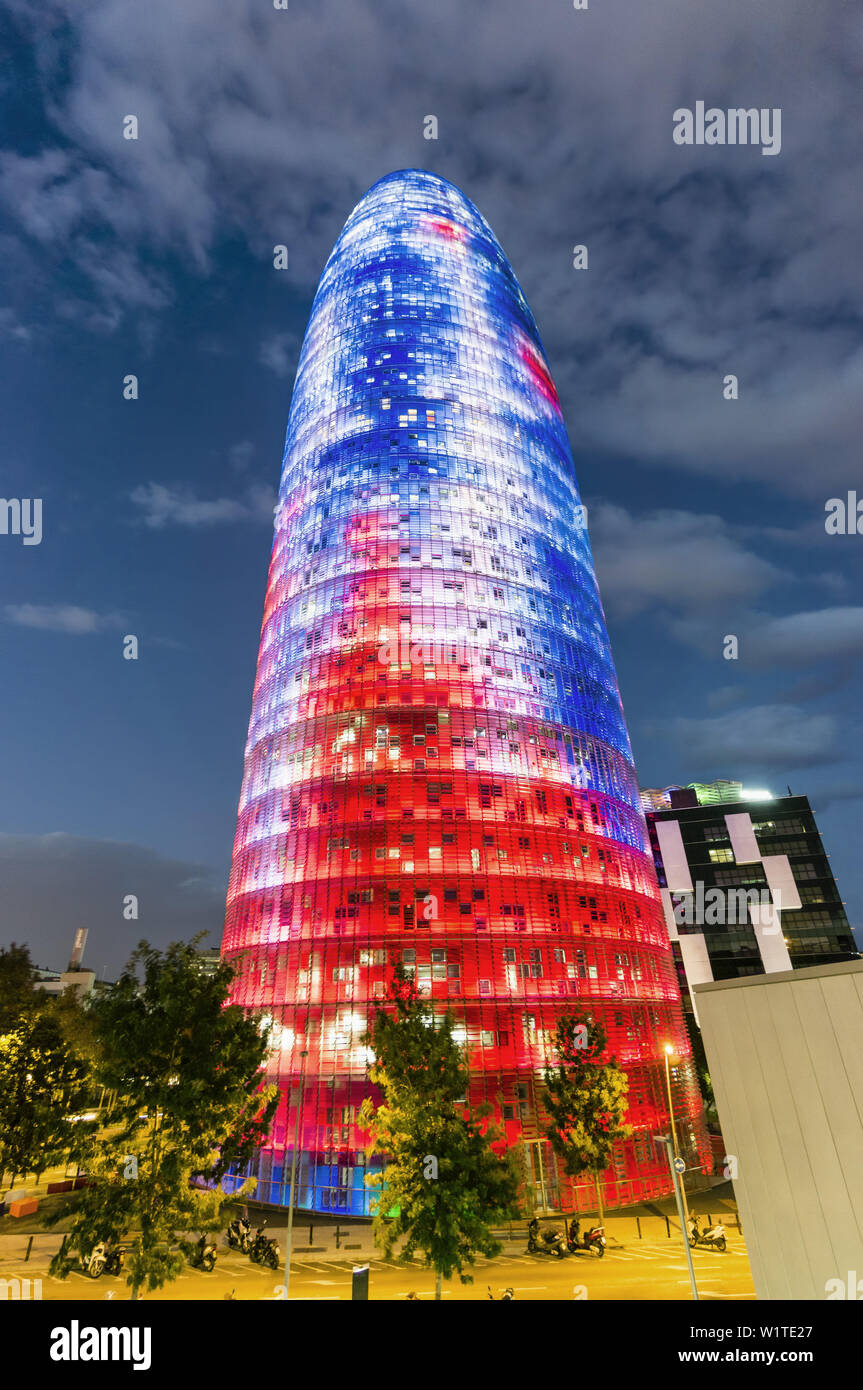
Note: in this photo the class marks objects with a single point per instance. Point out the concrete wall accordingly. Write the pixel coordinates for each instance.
(785, 1053)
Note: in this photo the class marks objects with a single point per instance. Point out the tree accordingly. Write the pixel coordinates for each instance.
(586, 1098)
(702, 1072)
(443, 1184)
(186, 1069)
(17, 995)
(42, 1080)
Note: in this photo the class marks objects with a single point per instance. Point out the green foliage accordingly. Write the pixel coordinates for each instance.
(42, 1082)
(73, 1015)
(699, 1062)
(190, 1102)
(585, 1097)
(442, 1175)
(17, 996)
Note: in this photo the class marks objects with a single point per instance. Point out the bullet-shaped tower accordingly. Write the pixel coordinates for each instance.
(438, 768)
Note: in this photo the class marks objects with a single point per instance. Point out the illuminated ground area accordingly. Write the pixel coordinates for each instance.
(652, 1266)
(645, 1271)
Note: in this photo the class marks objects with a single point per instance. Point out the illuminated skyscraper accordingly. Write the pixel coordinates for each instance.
(437, 767)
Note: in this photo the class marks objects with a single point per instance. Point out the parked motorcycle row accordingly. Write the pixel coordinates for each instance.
(568, 1242)
(106, 1258)
(201, 1254)
(259, 1248)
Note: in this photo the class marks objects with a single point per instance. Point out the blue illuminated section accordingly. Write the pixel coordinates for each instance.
(418, 321)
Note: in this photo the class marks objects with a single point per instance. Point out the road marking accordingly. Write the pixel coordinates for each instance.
(712, 1293)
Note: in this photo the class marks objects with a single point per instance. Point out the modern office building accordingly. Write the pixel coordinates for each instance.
(787, 1066)
(747, 885)
(437, 768)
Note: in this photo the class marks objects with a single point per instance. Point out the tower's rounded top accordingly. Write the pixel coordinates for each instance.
(411, 194)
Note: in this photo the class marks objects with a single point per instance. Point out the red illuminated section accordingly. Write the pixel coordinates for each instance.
(539, 373)
(451, 231)
(422, 820)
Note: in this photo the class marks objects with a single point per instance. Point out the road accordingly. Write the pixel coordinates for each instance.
(639, 1270)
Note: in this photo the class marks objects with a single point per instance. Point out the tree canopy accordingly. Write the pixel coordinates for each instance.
(442, 1185)
(186, 1070)
(42, 1081)
(585, 1097)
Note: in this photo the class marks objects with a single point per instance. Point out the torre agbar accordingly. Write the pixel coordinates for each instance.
(437, 768)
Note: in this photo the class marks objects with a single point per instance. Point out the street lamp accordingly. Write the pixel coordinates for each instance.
(669, 1053)
(303, 1055)
(675, 1165)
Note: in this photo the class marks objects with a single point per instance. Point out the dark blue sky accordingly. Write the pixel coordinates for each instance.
(154, 256)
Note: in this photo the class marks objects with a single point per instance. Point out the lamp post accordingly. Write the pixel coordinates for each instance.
(676, 1178)
(303, 1055)
(669, 1053)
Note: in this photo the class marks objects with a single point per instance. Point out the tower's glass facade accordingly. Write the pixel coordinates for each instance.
(437, 767)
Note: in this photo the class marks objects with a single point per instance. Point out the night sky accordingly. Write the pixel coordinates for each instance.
(154, 256)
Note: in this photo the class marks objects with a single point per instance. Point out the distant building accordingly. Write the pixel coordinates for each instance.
(746, 884)
(57, 981)
(706, 794)
(209, 960)
(83, 981)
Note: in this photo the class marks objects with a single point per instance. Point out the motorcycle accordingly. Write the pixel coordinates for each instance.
(262, 1250)
(544, 1242)
(713, 1237)
(506, 1297)
(239, 1234)
(593, 1239)
(104, 1256)
(201, 1255)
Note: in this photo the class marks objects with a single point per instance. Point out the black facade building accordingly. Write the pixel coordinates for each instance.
(747, 884)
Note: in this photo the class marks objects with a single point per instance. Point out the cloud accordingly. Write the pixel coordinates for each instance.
(163, 506)
(805, 639)
(724, 695)
(676, 560)
(261, 125)
(773, 736)
(11, 327)
(53, 884)
(834, 794)
(280, 352)
(61, 617)
(240, 455)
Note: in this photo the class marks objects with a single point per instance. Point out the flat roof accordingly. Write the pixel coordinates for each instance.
(810, 972)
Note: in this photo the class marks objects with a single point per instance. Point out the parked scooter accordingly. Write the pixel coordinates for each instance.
(201, 1255)
(239, 1234)
(262, 1250)
(104, 1256)
(506, 1297)
(712, 1236)
(544, 1242)
(593, 1238)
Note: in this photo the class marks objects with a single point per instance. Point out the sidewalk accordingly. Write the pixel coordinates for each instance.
(323, 1238)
